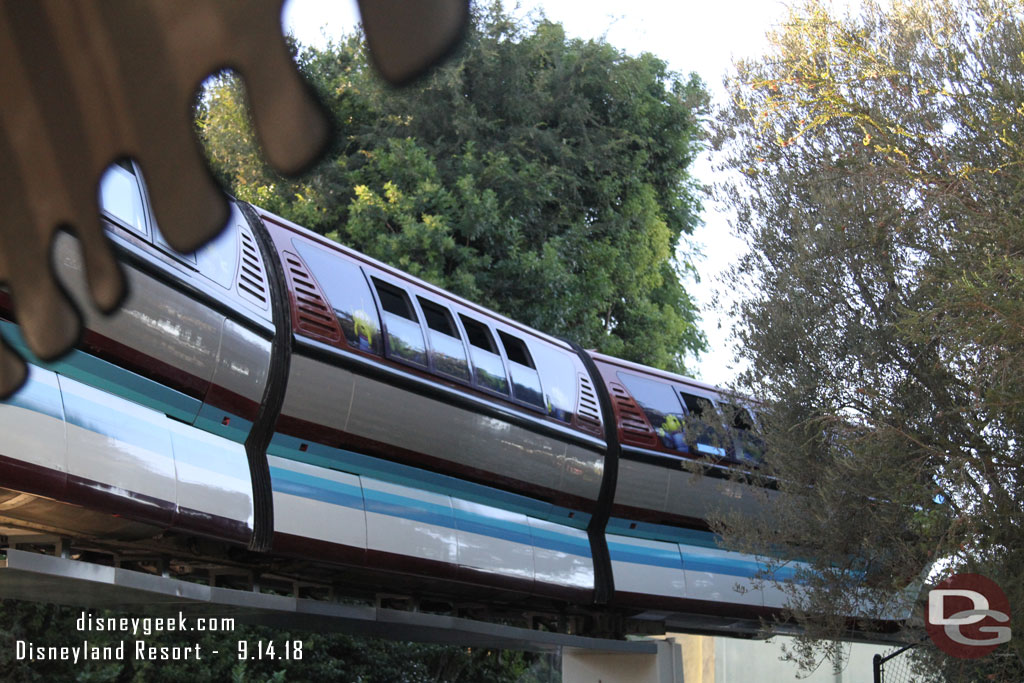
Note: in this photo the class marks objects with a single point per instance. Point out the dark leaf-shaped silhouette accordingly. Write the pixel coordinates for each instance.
(87, 82)
(84, 83)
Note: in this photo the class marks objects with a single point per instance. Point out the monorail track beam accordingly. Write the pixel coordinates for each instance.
(52, 579)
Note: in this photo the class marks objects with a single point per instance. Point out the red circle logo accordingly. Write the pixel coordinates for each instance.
(968, 616)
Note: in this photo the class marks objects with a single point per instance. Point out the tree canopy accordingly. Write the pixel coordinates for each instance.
(878, 164)
(543, 176)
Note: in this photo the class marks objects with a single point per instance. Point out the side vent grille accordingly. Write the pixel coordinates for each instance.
(632, 421)
(252, 283)
(312, 314)
(588, 413)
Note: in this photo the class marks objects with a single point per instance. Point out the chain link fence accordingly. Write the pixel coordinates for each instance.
(897, 666)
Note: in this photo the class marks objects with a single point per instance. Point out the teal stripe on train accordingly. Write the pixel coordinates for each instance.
(406, 507)
(691, 558)
(39, 395)
(88, 408)
(108, 377)
(403, 507)
(654, 557)
(288, 447)
(211, 420)
(85, 408)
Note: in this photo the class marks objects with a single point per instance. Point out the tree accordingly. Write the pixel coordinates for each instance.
(543, 176)
(879, 164)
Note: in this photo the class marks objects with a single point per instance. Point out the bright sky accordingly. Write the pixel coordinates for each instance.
(690, 36)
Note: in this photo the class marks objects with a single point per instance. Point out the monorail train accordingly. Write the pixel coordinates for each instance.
(313, 410)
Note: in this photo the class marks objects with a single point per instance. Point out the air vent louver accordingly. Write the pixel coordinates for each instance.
(588, 413)
(252, 283)
(312, 314)
(632, 421)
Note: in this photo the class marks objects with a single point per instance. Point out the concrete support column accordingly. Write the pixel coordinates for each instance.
(587, 666)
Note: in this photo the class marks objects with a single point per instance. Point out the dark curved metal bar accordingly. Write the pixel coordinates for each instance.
(273, 392)
(604, 579)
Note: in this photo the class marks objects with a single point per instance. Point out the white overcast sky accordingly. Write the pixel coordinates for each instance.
(690, 35)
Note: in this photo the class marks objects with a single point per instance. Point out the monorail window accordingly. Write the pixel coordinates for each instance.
(660, 405)
(345, 288)
(405, 337)
(704, 426)
(747, 444)
(525, 380)
(446, 349)
(218, 258)
(121, 197)
(559, 372)
(490, 371)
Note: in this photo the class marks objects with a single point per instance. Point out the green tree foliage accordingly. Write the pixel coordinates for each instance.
(879, 161)
(543, 176)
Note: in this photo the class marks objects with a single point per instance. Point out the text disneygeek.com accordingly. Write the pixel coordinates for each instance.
(139, 648)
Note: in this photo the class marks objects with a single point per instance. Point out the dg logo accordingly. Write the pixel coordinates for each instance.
(968, 616)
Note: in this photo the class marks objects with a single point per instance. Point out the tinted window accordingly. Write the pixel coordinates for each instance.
(438, 318)
(525, 380)
(660, 405)
(394, 300)
(478, 334)
(121, 197)
(446, 349)
(405, 338)
(704, 426)
(490, 371)
(345, 288)
(515, 349)
(557, 368)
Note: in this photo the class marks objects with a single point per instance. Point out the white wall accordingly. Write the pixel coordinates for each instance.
(734, 660)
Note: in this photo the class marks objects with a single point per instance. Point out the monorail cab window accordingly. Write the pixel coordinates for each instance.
(748, 446)
(560, 384)
(704, 427)
(347, 292)
(404, 334)
(490, 371)
(218, 258)
(660, 405)
(447, 353)
(525, 380)
(121, 198)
